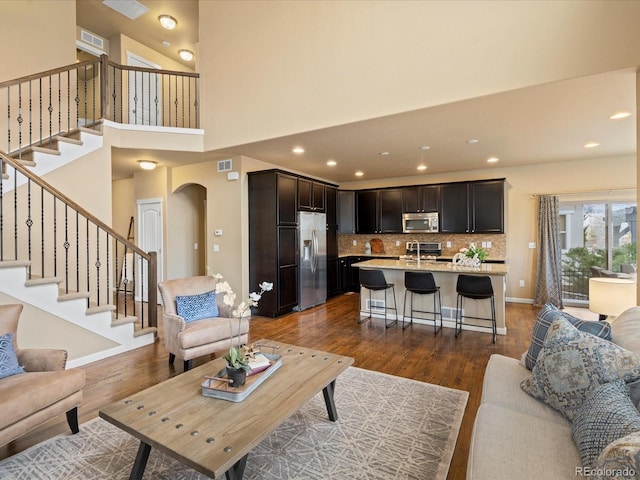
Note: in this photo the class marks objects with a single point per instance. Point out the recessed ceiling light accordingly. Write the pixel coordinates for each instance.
(422, 167)
(619, 115)
(332, 163)
(165, 44)
(591, 145)
(492, 159)
(297, 150)
(167, 21)
(186, 55)
(359, 173)
(384, 154)
(425, 147)
(473, 141)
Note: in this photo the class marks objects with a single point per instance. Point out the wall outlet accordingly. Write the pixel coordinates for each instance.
(195, 246)
(484, 244)
(216, 247)
(522, 283)
(355, 242)
(448, 244)
(397, 243)
(488, 244)
(532, 244)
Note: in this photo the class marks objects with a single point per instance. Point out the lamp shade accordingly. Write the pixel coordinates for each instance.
(611, 296)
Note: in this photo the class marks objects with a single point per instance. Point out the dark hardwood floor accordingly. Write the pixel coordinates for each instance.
(414, 353)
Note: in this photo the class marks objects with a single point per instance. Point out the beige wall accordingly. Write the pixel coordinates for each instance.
(121, 44)
(37, 35)
(521, 207)
(274, 68)
(124, 206)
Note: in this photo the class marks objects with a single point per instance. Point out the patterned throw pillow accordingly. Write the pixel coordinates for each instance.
(606, 415)
(8, 360)
(620, 459)
(197, 307)
(572, 364)
(547, 314)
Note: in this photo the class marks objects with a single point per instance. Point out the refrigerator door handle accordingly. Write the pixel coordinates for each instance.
(314, 251)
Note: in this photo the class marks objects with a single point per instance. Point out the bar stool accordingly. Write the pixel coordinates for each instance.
(476, 288)
(373, 280)
(422, 283)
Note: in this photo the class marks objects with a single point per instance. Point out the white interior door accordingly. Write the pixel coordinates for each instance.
(145, 93)
(150, 240)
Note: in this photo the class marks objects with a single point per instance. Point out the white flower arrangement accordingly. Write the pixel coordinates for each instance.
(234, 357)
(470, 257)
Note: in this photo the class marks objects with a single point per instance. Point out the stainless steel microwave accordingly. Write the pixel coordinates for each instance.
(420, 222)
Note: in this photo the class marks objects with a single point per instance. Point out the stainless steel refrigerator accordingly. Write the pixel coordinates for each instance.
(312, 261)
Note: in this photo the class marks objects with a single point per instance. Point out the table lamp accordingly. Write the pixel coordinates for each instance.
(611, 296)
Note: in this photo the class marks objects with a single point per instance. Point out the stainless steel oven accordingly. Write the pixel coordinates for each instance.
(420, 222)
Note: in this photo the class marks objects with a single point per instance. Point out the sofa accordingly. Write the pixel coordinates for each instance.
(523, 430)
(34, 385)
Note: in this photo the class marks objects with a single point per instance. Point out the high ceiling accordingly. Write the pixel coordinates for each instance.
(541, 124)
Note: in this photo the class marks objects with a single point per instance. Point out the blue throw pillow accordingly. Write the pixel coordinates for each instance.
(547, 314)
(605, 416)
(8, 360)
(197, 307)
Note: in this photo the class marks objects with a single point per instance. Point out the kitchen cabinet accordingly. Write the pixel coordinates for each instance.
(331, 196)
(273, 239)
(472, 207)
(379, 211)
(420, 199)
(346, 211)
(310, 196)
(274, 202)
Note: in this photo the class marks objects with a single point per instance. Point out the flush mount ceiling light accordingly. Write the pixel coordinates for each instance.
(297, 150)
(425, 147)
(147, 164)
(473, 141)
(359, 173)
(167, 21)
(619, 115)
(422, 167)
(332, 163)
(492, 159)
(384, 154)
(186, 55)
(591, 145)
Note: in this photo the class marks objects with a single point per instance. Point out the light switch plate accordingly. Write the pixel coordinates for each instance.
(532, 244)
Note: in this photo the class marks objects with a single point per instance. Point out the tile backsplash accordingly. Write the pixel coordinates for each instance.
(497, 251)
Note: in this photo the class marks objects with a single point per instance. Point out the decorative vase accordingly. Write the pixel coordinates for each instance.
(237, 376)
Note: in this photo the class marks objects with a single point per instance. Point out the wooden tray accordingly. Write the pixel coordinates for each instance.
(221, 389)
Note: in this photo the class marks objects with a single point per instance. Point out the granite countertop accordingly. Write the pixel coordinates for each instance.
(445, 267)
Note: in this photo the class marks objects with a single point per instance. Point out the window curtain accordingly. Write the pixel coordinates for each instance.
(549, 279)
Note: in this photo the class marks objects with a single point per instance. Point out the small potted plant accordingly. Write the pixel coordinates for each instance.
(238, 356)
(474, 250)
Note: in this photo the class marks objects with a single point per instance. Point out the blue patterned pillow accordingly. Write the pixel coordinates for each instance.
(572, 364)
(8, 360)
(197, 307)
(620, 459)
(547, 314)
(606, 415)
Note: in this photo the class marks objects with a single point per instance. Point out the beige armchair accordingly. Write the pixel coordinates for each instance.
(201, 337)
(44, 391)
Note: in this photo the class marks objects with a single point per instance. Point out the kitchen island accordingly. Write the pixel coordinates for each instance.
(446, 276)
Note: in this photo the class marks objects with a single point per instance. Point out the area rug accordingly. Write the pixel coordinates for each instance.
(388, 428)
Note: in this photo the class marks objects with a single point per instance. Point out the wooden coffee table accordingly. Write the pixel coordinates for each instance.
(215, 436)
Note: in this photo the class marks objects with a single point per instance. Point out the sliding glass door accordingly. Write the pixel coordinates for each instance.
(597, 239)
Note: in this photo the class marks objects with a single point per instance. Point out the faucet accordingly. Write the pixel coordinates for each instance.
(418, 252)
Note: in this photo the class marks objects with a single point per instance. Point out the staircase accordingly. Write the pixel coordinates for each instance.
(45, 292)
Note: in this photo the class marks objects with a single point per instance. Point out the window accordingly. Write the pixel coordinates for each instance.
(600, 234)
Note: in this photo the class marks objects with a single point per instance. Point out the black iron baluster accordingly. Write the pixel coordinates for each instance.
(176, 101)
(108, 270)
(30, 115)
(66, 246)
(189, 100)
(15, 214)
(158, 120)
(19, 120)
(9, 119)
(169, 102)
(77, 98)
(29, 223)
(122, 100)
(86, 108)
(88, 256)
(69, 100)
(183, 122)
(78, 255)
(97, 264)
(40, 94)
(50, 109)
(125, 280)
(59, 104)
(135, 95)
(93, 86)
(197, 119)
(42, 230)
(55, 236)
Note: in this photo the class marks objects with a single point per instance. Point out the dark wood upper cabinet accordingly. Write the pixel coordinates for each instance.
(472, 207)
(310, 195)
(379, 211)
(331, 205)
(286, 198)
(346, 211)
(420, 199)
